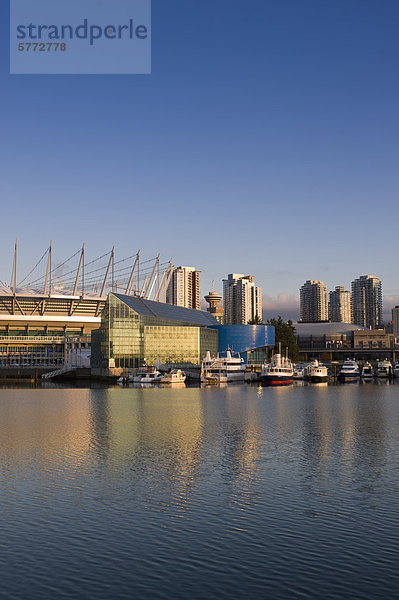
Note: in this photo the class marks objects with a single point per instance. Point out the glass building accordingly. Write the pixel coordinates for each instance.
(135, 331)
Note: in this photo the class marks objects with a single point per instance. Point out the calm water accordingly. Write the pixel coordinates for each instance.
(239, 492)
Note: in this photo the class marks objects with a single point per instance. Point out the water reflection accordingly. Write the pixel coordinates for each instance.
(182, 482)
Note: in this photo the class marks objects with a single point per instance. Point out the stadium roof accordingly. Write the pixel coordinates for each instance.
(149, 308)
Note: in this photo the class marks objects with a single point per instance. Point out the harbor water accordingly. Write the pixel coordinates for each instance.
(229, 493)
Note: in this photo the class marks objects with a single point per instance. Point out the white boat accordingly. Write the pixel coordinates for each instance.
(384, 368)
(223, 368)
(315, 372)
(367, 371)
(174, 376)
(299, 372)
(280, 371)
(350, 371)
(146, 375)
(396, 370)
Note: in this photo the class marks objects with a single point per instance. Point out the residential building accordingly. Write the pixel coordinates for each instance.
(367, 301)
(395, 321)
(242, 299)
(340, 306)
(185, 288)
(313, 302)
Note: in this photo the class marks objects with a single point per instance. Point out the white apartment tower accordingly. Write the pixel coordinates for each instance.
(185, 288)
(340, 306)
(313, 302)
(367, 301)
(242, 299)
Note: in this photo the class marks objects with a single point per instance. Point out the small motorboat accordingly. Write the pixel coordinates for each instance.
(367, 371)
(384, 368)
(174, 376)
(350, 371)
(315, 372)
(146, 375)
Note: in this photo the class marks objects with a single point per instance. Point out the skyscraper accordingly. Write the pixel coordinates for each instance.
(313, 302)
(242, 299)
(185, 288)
(367, 301)
(340, 306)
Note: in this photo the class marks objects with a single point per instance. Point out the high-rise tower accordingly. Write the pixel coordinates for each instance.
(185, 288)
(367, 301)
(242, 299)
(340, 306)
(313, 302)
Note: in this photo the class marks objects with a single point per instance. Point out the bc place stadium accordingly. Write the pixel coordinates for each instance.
(110, 314)
(57, 305)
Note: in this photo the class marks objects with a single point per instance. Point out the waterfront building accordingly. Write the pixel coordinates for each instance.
(313, 302)
(242, 299)
(395, 321)
(340, 306)
(213, 299)
(135, 331)
(185, 288)
(338, 341)
(367, 301)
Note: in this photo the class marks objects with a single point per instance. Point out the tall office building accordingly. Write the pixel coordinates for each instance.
(340, 306)
(313, 302)
(367, 301)
(242, 299)
(185, 288)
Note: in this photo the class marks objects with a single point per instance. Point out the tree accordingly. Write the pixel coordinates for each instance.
(285, 335)
(256, 321)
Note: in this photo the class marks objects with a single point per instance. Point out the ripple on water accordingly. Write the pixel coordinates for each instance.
(230, 493)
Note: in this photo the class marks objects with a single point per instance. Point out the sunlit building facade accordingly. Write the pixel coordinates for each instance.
(135, 331)
(185, 288)
(340, 306)
(242, 300)
(313, 302)
(367, 301)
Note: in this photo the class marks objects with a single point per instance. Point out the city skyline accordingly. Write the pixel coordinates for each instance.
(306, 139)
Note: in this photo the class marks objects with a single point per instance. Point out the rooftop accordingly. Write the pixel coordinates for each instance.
(318, 329)
(150, 308)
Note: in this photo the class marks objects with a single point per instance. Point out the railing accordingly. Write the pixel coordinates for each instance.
(31, 338)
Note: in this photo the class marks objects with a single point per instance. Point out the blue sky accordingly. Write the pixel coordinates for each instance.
(265, 142)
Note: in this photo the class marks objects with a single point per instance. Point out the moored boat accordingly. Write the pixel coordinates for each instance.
(367, 371)
(299, 372)
(384, 368)
(350, 371)
(316, 372)
(279, 371)
(146, 375)
(223, 368)
(174, 376)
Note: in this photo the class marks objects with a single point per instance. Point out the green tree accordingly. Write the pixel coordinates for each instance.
(256, 321)
(285, 335)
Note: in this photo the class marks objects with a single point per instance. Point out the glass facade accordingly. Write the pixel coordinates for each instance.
(130, 338)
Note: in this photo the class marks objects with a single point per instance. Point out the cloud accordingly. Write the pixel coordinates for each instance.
(285, 305)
